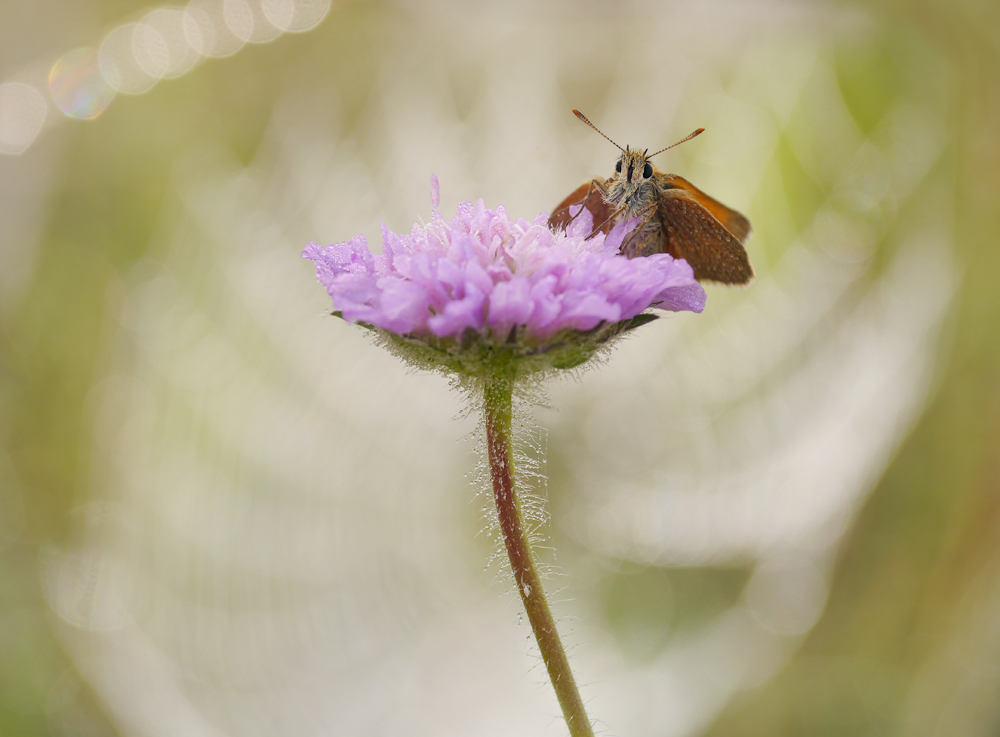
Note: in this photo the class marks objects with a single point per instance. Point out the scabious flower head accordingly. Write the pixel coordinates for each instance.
(483, 294)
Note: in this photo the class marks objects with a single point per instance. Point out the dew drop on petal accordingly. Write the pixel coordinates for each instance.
(435, 191)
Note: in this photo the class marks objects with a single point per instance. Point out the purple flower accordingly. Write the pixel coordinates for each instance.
(484, 275)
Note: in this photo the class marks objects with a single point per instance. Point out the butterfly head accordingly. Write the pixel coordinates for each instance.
(633, 185)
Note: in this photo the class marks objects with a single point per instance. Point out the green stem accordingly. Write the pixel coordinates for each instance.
(499, 410)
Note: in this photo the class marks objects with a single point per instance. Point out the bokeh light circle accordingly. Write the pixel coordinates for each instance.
(295, 16)
(238, 17)
(22, 112)
(172, 42)
(118, 62)
(78, 85)
(199, 31)
(150, 50)
(211, 23)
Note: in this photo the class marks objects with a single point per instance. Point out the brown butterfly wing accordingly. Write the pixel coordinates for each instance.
(690, 231)
(599, 209)
(733, 221)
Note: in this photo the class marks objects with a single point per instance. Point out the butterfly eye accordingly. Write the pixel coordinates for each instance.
(647, 171)
(618, 166)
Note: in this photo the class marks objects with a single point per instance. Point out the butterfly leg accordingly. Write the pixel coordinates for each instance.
(638, 240)
(594, 184)
(597, 229)
(567, 205)
(590, 196)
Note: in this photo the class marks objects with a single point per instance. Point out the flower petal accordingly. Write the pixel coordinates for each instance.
(483, 272)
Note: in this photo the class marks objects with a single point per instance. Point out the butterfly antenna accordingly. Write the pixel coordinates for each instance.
(583, 117)
(686, 138)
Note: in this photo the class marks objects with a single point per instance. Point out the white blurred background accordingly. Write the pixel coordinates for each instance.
(224, 512)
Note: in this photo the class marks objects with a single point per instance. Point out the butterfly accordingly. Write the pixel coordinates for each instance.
(675, 217)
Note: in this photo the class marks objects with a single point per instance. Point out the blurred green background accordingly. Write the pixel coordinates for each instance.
(223, 512)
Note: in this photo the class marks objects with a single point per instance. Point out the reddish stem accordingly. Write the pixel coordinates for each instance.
(498, 401)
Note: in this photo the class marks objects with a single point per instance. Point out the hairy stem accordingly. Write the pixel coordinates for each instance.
(499, 410)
